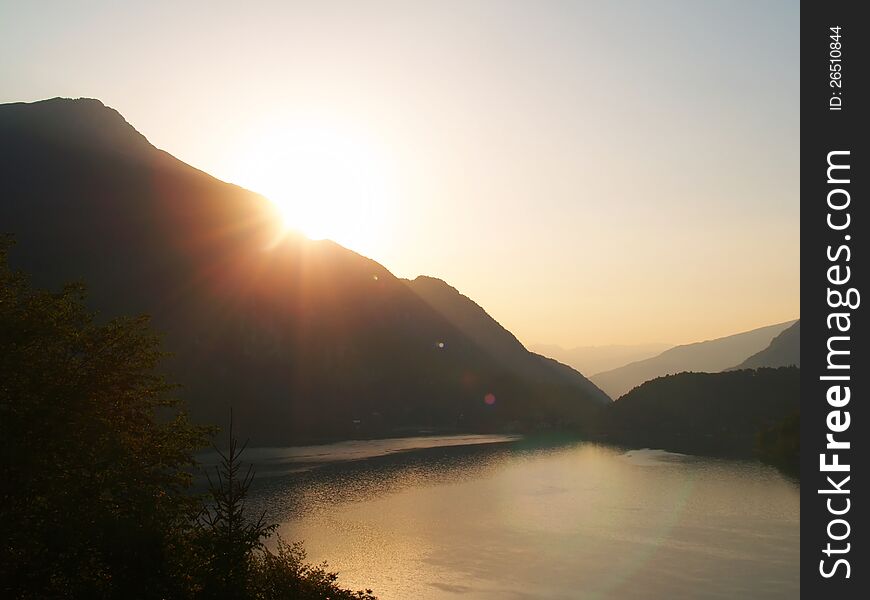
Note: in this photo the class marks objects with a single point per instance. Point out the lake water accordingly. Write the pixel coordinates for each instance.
(494, 517)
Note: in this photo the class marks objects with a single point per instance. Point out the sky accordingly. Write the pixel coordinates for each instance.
(590, 173)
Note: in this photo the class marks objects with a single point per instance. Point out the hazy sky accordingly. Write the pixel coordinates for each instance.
(589, 172)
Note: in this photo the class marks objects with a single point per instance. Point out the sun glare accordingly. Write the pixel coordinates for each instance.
(326, 184)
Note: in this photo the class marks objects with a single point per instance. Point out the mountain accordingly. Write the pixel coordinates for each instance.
(710, 356)
(784, 351)
(500, 343)
(304, 339)
(705, 413)
(596, 359)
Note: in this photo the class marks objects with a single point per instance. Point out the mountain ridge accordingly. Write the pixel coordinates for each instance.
(471, 318)
(305, 339)
(714, 355)
(784, 351)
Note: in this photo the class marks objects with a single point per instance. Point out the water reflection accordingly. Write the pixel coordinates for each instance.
(562, 519)
(345, 481)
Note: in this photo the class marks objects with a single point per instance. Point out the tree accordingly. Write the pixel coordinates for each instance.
(780, 444)
(95, 454)
(227, 536)
(236, 565)
(96, 460)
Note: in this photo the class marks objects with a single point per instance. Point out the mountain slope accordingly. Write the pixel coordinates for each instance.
(500, 343)
(784, 351)
(709, 356)
(304, 339)
(704, 413)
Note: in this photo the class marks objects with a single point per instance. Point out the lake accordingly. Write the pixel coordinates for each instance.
(499, 517)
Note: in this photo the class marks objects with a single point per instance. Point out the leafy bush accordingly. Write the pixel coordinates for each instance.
(284, 575)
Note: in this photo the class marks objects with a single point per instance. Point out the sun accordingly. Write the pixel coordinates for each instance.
(326, 183)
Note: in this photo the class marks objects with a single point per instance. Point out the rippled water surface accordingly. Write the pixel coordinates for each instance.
(504, 518)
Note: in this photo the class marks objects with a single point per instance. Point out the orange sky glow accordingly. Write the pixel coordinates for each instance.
(589, 174)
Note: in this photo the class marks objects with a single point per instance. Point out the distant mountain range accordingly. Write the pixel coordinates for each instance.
(596, 359)
(784, 351)
(710, 356)
(305, 340)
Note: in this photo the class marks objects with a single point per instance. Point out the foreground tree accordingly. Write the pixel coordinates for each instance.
(93, 478)
(236, 564)
(96, 460)
(226, 536)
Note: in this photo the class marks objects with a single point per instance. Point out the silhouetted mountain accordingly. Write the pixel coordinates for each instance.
(500, 343)
(596, 359)
(710, 356)
(705, 413)
(784, 351)
(304, 339)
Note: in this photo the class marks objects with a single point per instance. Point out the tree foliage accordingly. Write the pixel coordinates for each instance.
(226, 536)
(93, 478)
(704, 413)
(234, 561)
(780, 444)
(284, 575)
(97, 460)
